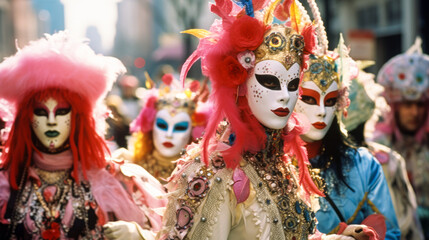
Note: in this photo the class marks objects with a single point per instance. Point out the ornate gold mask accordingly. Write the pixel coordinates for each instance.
(282, 44)
(322, 71)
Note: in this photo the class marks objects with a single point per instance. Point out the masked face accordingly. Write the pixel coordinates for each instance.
(51, 123)
(319, 107)
(272, 92)
(171, 133)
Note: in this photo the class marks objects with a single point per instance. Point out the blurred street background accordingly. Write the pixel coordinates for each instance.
(145, 34)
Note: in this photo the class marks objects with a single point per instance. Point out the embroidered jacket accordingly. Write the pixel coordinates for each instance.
(261, 199)
(368, 194)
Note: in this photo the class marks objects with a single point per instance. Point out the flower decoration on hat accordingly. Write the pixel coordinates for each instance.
(405, 77)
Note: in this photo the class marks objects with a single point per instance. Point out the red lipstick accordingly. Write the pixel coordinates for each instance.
(281, 112)
(319, 125)
(168, 144)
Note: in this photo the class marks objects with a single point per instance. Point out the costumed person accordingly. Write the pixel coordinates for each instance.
(124, 108)
(405, 127)
(172, 117)
(53, 182)
(355, 186)
(364, 95)
(130, 106)
(118, 129)
(248, 178)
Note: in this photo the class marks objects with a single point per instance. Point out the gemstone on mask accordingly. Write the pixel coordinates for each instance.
(323, 82)
(419, 78)
(297, 42)
(316, 68)
(275, 41)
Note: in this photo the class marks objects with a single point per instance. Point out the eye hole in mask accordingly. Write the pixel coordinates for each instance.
(268, 81)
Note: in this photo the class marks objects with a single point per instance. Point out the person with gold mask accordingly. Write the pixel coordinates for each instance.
(357, 197)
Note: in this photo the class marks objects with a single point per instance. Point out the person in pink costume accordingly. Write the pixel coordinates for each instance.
(405, 127)
(53, 182)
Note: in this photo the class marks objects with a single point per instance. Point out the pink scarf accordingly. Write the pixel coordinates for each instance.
(53, 162)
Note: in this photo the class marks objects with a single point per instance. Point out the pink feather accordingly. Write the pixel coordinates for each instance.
(259, 4)
(282, 10)
(188, 64)
(310, 39)
(241, 185)
(223, 9)
(296, 146)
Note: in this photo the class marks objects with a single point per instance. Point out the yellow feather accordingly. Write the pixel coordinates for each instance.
(149, 82)
(269, 16)
(295, 16)
(199, 33)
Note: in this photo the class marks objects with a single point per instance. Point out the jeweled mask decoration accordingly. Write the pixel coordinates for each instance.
(322, 71)
(170, 116)
(282, 44)
(272, 86)
(319, 96)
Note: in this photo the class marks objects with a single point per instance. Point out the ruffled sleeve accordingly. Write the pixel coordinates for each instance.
(112, 197)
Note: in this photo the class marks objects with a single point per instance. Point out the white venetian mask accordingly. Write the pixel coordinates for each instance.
(319, 107)
(272, 92)
(51, 123)
(171, 133)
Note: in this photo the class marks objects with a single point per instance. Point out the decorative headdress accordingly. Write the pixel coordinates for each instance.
(175, 98)
(58, 64)
(58, 61)
(243, 36)
(363, 94)
(326, 66)
(405, 77)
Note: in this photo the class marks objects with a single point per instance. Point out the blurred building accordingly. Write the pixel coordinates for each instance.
(24, 20)
(376, 30)
(150, 29)
(6, 28)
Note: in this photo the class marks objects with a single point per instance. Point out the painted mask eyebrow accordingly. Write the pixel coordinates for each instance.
(181, 126)
(331, 98)
(62, 108)
(310, 93)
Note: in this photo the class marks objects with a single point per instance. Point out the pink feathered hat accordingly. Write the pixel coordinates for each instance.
(58, 61)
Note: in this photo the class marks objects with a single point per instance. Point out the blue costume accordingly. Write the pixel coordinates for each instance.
(364, 175)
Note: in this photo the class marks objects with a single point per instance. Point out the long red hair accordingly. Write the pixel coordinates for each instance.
(87, 146)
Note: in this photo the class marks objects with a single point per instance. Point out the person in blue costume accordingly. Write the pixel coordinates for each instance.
(356, 191)
(355, 186)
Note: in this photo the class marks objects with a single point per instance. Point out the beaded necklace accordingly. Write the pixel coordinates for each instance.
(46, 203)
(278, 176)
